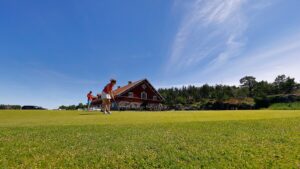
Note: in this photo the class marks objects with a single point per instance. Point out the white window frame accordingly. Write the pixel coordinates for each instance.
(130, 94)
(145, 95)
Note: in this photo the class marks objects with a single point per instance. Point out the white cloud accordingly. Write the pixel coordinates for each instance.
(210, 29)
(218, 11)
(279, 57)
(265, 63)
(211, 45)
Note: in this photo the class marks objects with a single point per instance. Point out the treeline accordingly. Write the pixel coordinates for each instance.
(249, 94)
(10, 107)
(73, 107)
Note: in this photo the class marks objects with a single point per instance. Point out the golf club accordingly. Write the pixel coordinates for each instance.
(113, 98)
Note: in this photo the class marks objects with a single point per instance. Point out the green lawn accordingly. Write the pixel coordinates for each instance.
(205, 139)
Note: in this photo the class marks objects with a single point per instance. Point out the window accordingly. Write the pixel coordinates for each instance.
(144, 86)
(130, 94)
(144, 95)
(154, 97)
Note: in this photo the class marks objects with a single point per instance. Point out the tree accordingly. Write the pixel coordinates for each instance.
(81, 106)
(241, 92)
(283, 84)
(279, 83)
(297, 86)
(10, 107)
(181, 100)
(73, 107)
(262, 89)
(63, 107)
(204, 91)
(279, 80)
(290, 85)
(248, 82)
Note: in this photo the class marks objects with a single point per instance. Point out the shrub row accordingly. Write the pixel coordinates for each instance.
(269, 100)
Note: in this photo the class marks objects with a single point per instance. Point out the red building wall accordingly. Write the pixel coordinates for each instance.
(139, 89)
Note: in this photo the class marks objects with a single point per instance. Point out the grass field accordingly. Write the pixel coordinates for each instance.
(206, 139)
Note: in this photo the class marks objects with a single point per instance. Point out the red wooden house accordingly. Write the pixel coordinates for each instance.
(135, 95)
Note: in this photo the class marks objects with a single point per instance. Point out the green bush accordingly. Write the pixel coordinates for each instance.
(266, 102)
(285, 106)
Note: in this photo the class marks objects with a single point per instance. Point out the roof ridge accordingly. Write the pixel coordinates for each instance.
(132, 83)
(127, 87)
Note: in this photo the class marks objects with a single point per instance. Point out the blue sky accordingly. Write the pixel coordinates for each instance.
(53, 52)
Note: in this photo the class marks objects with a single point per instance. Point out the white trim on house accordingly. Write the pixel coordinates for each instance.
(139, 82)
(130, 94)
(153, 89)
(154, 98)
(145, 97)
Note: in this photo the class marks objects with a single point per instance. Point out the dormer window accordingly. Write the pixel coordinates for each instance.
(130, 94)
(143, 95)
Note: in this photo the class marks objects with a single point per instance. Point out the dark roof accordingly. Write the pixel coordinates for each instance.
(123, 89)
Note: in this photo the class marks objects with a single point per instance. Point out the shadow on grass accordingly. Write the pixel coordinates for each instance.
(84, 114)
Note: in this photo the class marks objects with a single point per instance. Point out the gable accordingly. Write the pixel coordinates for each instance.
(121, 90)
(137, 88)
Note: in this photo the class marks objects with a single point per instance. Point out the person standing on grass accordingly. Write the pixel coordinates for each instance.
(106, 96)
(89, 100)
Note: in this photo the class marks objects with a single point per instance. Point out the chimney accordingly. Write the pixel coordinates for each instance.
(129, 82)
(119, 87)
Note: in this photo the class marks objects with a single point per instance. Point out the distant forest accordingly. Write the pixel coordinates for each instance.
(251, 94)
(12, 107)
(282, 93)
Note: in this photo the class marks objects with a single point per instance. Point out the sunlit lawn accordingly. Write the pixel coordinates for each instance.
(208, 139)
